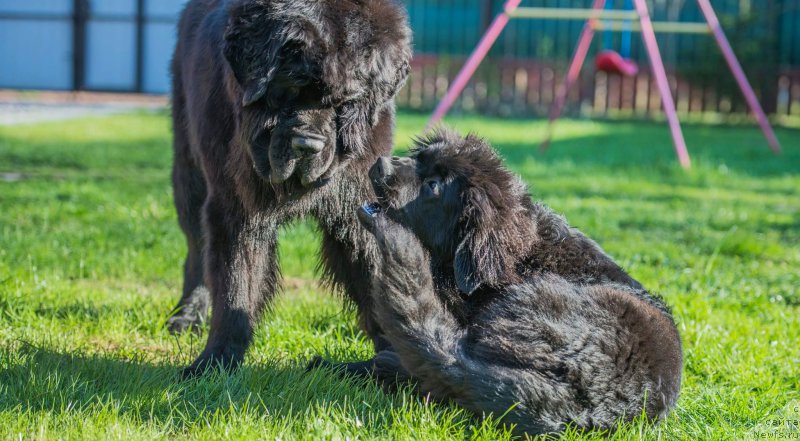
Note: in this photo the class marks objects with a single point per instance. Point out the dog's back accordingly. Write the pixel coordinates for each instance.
(197, 73)
(586, 355)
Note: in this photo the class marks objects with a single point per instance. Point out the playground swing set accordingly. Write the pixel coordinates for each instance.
(634, 17)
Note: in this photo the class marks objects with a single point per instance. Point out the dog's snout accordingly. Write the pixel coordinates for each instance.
(385, 167)
(381, 169)
(307, 145)
(394, 167)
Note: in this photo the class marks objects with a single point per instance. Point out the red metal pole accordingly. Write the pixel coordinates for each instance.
(649, 37)
(581, 50)
(738, 73)
(473, 61)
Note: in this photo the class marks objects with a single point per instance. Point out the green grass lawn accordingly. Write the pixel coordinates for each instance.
(91, 255)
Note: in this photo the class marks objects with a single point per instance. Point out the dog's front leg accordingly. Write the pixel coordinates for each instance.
(352, 270)
(349, 261)
(241, 273)
(423, 333)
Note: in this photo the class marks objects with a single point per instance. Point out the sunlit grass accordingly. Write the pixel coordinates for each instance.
(90, 259)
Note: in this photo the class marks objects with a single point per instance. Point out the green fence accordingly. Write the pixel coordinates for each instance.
(532, 53)
(452, 27)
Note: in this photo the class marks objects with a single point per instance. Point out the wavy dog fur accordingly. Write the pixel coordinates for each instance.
(279, 109)
(518, 310)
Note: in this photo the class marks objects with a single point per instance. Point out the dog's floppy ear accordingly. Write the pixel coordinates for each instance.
(389, 62)
(251, 56)
(257, 43)
(255, 89)
(356, 118)
(392, 80)
(480, 259)
(466, 270)
(388, 76)
(496, 230)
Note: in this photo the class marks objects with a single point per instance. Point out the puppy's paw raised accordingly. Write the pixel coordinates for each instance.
(369, 214)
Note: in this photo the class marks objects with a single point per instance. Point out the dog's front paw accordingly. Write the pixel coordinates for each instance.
(223, 358)
(184, 321)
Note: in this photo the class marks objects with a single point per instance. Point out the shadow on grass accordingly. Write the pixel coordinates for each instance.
(609, 147)
(646, 147)
(98, 387)
(96, 156)
(44, 380)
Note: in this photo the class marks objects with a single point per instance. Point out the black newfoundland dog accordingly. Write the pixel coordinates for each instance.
(279, 108)
(518, 310)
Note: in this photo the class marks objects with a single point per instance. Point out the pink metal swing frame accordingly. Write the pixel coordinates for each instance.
(593, 16)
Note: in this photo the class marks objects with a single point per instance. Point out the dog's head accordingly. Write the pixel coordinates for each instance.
(463, 205)
(313, 78)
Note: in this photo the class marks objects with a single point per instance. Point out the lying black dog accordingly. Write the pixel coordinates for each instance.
(279, 109)
(494, 302)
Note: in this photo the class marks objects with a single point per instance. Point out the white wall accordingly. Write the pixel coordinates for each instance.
(36, 44)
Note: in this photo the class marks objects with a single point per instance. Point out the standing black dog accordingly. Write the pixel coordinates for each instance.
(494, 302)
(279, 108)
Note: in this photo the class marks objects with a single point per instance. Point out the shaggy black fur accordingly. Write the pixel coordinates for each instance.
(518, 310)
(279, 108)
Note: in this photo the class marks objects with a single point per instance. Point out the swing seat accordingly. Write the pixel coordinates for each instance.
(612, 62)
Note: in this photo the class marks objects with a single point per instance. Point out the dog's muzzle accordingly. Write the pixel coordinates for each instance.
(307, 145)
(382, 169)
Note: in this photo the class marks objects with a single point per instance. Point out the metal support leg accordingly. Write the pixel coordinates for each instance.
(581, 50)
(738, 73)
(472, 63)
(649, 37)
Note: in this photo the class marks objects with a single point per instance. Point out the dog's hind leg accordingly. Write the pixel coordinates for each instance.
(189, 188)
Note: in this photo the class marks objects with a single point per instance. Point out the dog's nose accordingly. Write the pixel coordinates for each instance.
(384, 167)
(307, 146)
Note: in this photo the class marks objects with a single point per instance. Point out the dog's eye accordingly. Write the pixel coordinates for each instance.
(433, 186)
